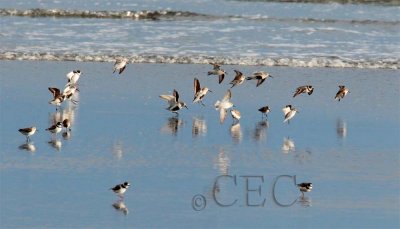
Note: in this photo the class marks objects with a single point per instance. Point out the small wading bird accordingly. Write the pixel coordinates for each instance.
(120, 189)
(173, 100)
(264, 111)
(304, 187)
(341, 93)
(58, 98)
(289, 112)
(120, 65)
(224, 105)
(217, 70)
(304, 89)
(54, 129)
(199, 92)
(239, 78)
(235, 115)
(73, 77)
(29, 131)
(260, 76)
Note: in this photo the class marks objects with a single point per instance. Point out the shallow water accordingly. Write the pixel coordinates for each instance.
(121, 131)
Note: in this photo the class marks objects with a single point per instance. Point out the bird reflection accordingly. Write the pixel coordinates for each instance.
(236, 133)
(56, 144)
(288, 145)
(222, 162)
(260, 130)
(61, 115)
(304, 201)
(120, 206)
(30, 147)
(66, 135)
(199, 127)
(172, 126)
(341, 128)
(117, 149)
(303, 156)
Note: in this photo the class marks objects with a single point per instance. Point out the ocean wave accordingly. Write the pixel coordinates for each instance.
(332, 61)
(375, 2)
(173, 15)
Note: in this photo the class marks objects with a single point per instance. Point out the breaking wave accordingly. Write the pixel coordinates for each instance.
(332, 62)
(169, 15)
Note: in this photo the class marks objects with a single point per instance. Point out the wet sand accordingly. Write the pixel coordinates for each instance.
(121, 131)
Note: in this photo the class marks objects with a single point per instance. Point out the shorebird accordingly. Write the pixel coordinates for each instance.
(224, 105)
(304, 187)
(217, 70)
(58, 97)
(264, 111)
(199, 92)
(289, 112)
(66, 124)
(260, 76)
(73, 77)
(120, 65)
(239, 78)
(69, 91)
(29, 131)
(173, 100)
(235, 115)
(341, 93)
(120, 189)
(304, 89)
(56, 128)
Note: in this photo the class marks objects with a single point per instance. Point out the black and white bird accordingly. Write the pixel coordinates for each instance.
(173, 101)
(235, 115)
(120, 189)
(260, 76)
(56, 128)
(199, 92)
(289, 112)
(120, 65)
(264, 111)
(341, 93)
(217, 70)
(73, 77)
(304, 187)
(224, 105)
(29, 131)
(304, 89)
(58, 97)
(239, 78)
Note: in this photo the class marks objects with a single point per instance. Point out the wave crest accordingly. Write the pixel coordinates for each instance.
(332, 62)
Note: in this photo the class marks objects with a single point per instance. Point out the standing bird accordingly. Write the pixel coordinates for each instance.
(120, 189)
(304, 89)
(199, 92)
(289, 112)
(66, 124)
(29, 131)
(73, 77)
(217, 70)
(304, 187)
(224, 105)
(264, 111)
(239, 78)
(173, 100)
(260, 76)
(235, 115)
(58, 98)
(120, 65)
(54, 129)
(341, 93)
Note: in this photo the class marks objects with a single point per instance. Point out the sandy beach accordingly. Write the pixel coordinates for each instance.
(122, 131)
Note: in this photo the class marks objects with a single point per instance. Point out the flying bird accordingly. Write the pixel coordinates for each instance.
(224, 105)
(120, 65)
(341, 93)
(260, 76)
(289, 112)
(173, 100)
(239, 78)
(199, 92)
(304, 89)
(217, 70)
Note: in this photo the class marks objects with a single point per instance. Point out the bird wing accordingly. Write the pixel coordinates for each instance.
(227, 96)
(222, 115)
(260, 81)
(215, 66)
(196, 86)
(55, 91)
(286, 110)
(299, 90)
(176, 95)
(70, 74)
(221, 78)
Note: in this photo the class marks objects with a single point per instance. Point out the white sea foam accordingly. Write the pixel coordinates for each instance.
(333, 62)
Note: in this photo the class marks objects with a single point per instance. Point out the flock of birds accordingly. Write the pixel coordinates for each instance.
(175, 104)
